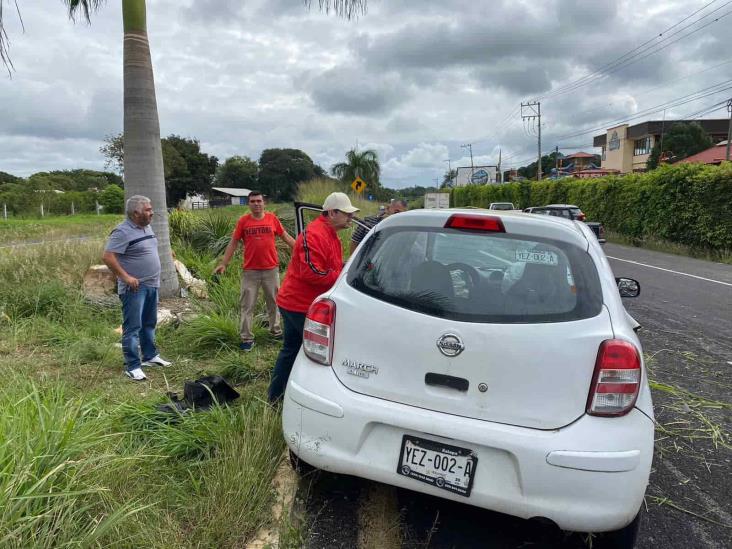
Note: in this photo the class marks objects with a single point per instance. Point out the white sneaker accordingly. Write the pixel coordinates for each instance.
(137, 374)
(157, 360)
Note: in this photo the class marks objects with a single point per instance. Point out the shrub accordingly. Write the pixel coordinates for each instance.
(688, 204)
(113, 199)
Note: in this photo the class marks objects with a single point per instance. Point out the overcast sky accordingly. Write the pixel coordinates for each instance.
(411, 79)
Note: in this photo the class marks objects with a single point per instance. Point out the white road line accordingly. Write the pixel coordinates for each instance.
(670, 271)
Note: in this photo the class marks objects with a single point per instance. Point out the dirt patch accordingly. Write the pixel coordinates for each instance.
(378, 518)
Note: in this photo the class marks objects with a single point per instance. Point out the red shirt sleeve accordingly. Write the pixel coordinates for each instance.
(319, 268)
(238, 233)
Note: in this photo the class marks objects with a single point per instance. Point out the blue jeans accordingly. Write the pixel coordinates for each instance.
(139, 317)
(293, 324)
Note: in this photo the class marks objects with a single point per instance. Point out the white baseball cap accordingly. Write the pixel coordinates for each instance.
(339, 201)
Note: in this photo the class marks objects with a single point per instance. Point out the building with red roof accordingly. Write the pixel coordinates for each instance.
(713, 155)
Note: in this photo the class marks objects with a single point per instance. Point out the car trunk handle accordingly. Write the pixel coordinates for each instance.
(457, 383)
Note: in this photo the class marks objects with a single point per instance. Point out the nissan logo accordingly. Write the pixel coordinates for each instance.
(450, 345)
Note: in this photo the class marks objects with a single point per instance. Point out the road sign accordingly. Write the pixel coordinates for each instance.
(358, 185)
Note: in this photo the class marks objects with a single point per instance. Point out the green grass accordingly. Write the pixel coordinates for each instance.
(15, 230)
(659, 245)
(86, 459)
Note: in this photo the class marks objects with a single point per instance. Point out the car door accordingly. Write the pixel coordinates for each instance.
(305, 213)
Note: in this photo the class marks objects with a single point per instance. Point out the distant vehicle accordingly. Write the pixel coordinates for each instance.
(481, 357)
(571, 212)
(502, 206)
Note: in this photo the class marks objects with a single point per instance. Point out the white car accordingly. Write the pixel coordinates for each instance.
(483, 357)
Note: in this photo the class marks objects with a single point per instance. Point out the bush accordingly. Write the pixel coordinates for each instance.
(113, 199)
(689, 204)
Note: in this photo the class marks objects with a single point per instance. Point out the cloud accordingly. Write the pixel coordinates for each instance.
(413, 80)
(349, 90)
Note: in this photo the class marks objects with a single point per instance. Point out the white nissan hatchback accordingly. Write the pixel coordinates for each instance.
(483, 357)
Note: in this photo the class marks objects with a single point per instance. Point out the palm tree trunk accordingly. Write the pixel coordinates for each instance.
(143, 155)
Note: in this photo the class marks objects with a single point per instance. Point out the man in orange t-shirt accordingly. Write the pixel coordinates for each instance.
(257, 231)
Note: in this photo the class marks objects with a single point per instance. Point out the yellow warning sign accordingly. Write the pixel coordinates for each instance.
(358, 185)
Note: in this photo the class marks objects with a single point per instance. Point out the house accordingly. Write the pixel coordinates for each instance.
(578, 161)
(627, 148)
(713, 155)
(227, 195)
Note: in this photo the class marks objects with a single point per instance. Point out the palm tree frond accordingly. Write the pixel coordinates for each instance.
(349, 9)
(86, 6)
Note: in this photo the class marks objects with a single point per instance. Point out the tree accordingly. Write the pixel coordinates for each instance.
(448, 180)
(8, 178)
(143, 160)
(113, 199)
(188, 170)
(548, 163)
(364, 164)
(237, 172)
(682, 140)
(282, 170)
(113, 151)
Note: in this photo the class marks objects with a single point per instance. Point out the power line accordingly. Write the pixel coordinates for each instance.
(695, 96)
(627, 58)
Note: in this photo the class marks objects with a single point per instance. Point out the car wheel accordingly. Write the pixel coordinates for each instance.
(301, 467)
(620, 539)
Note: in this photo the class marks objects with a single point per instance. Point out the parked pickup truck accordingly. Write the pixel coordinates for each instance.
(502, 206)
(569, 211)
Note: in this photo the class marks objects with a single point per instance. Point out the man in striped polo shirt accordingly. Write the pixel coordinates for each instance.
(131, 254)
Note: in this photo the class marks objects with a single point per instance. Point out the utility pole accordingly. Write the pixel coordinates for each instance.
(449, 172)
(469, 146)
(729, 130)
(533, 108)
(500, 172)
(556, 161)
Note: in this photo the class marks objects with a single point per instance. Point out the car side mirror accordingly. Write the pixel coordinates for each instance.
(628, 287)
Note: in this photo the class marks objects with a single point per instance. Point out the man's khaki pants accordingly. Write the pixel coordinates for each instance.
(269, 280)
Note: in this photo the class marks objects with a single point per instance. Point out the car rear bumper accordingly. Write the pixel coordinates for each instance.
(588, 476)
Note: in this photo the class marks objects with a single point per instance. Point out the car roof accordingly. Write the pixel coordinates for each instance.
(514, 222)
(560, 206)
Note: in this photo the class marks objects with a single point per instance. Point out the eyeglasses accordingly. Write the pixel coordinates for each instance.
(349, 215)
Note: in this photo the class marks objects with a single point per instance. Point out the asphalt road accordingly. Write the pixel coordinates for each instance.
(685, 308)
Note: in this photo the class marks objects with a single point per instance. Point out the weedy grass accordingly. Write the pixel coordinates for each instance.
(316, 190)
(53, 457)
(659, 245)
(56, 227)
(86, 459)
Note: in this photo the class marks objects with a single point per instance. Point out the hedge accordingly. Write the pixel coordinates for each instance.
(689, 204)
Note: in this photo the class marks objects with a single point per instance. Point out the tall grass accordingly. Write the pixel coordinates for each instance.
(316, 190)
(77, 468)
(52, 459)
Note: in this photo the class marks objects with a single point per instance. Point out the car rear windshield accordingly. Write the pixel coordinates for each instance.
(478, 277)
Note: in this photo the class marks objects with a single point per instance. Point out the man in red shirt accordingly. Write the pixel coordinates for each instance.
(256, 231)
(317, 260)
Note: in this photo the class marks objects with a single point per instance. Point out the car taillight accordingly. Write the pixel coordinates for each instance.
(318, 332)
(616, 381)
(475, 223)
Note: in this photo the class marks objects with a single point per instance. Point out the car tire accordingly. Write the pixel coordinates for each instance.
(620, 539)
(301, 467)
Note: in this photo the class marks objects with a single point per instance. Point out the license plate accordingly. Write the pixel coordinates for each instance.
(447, 467)
(542, 257)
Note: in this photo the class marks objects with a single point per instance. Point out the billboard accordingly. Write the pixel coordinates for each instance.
(439, 201)
(479, 175)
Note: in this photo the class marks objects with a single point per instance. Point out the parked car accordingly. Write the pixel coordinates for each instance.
(485, 358)
(502, 206)
(574, 213)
